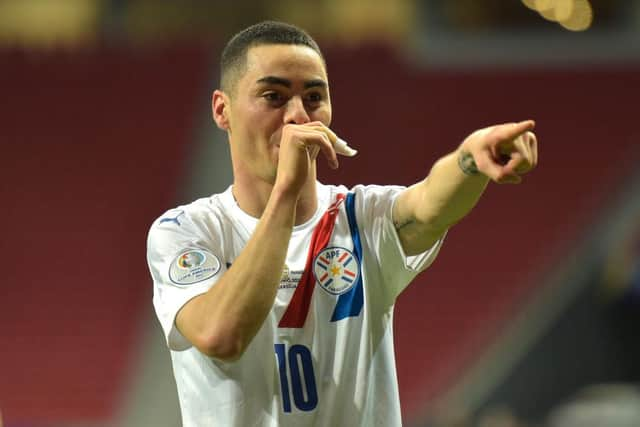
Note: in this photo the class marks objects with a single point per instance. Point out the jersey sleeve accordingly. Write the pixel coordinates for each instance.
(374, 210)
(183, 264)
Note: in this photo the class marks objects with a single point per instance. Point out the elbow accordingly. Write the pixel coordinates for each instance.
(226, 347)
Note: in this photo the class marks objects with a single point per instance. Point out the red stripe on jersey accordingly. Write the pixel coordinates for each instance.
(298, 308)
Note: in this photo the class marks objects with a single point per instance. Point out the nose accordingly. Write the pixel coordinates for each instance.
(295, 112)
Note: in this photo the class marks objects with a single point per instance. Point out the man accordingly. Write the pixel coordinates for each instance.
(286, 317)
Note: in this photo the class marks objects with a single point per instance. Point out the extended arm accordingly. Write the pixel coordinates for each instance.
(424, 211)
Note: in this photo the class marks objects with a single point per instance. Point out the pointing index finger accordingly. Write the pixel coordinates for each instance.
(507, 132)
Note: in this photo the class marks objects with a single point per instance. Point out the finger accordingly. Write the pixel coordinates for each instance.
(329, 152)
(509, 138)
(527, 145)
(316, 138)
(521, 145)
(510, 131)
(518, 164)
(532, 142)
(339, 145)
(510, 179)
(494, 171)
(522, 156)
(527, 139)
(321, 127)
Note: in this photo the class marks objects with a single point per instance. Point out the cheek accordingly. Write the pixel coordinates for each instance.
(260, 129)
(253, 121)
(322, 115)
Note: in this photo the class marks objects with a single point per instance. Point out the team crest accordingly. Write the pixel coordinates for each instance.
(336, 270)
(193, 266)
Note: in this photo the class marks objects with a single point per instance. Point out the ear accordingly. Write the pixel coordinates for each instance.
(220, 109)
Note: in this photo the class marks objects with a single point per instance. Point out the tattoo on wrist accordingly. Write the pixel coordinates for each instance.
(467, 164)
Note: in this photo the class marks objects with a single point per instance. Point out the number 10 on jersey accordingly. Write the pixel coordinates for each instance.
(297, 365)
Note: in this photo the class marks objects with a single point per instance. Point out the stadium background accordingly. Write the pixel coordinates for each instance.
(105, 123)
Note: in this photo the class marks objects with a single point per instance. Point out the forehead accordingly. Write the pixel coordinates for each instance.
(283, 60)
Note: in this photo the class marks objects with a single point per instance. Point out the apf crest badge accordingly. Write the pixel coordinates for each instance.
(336, 270)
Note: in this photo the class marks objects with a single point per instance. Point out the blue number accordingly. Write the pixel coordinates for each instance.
(299, 357)
(284, 383)
(304, 355)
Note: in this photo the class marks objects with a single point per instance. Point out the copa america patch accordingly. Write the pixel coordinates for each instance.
(336, 270)
(193, 266)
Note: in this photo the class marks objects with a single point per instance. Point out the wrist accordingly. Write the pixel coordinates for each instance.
(282, 193)
(466, 162)
(283, 199)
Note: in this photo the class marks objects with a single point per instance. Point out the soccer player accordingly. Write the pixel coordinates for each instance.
(276, 296)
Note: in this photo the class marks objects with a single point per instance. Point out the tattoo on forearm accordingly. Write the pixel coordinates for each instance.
(467, 164)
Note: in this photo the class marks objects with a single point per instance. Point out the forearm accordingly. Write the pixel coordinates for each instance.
(449, 193)
(427, 209)
(223, 321)
(501, 153)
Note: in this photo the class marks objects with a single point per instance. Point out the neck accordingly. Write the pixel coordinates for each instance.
(252, 197)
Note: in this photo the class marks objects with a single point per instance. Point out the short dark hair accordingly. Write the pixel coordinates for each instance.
(234, 56)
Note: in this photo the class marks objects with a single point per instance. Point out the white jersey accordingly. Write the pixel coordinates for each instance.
(324, 355)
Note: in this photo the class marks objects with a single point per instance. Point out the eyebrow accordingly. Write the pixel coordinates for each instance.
(273, 80)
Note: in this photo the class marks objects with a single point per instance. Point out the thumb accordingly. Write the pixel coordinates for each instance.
(496, 171)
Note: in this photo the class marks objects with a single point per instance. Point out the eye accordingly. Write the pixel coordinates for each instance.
(314, 97)
(314, 100)
(275, 98)
(271, 96)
